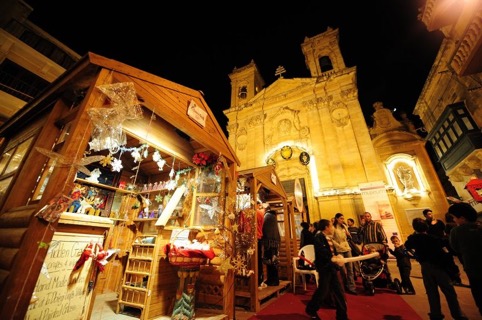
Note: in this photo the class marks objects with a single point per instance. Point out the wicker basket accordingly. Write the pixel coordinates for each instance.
(187, 262)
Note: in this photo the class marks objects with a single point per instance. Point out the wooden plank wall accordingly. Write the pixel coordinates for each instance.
(13, 225)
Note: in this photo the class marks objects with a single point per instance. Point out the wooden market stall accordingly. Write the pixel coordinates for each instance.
(253, 184)
(140, 134)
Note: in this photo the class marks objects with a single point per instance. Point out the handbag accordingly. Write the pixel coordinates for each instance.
(355, 251)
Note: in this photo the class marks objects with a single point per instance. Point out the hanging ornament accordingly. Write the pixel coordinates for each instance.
(106, 161)
(159, 198)
(172, 173)
(225, 265)
(156, 156)
(136, 155)
(117, 165)
(54, 208)
(146, 152)
(62, 161)
(123, 96)
(161, 164)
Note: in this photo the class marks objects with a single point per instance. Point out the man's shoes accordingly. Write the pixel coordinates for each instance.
(353, 292)
(312, 315)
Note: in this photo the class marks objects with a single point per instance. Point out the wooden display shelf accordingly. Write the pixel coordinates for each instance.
(144, 219)
(104, 186)
(152, 191)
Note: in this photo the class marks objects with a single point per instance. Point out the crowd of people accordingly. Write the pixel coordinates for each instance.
(434, 244)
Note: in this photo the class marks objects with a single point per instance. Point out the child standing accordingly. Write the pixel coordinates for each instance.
(403, 263)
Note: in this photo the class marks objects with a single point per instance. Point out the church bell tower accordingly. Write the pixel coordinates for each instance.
(246, 82)
(322, 53)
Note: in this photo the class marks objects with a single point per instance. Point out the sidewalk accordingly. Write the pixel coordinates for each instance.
(419, 301)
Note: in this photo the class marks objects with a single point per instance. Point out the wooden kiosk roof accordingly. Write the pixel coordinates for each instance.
(267, 178)
(168, 100)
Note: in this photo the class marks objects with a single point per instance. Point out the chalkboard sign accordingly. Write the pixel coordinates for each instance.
(61, 293)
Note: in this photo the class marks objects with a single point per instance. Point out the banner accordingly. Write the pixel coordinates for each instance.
(375, 200)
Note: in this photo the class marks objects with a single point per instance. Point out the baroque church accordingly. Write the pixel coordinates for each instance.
(313, 131)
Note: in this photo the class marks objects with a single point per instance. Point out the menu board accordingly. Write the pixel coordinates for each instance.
(60, 292)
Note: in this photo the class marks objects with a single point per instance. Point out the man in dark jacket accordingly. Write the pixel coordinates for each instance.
(327, 264)
(466, 241)
(430, 252)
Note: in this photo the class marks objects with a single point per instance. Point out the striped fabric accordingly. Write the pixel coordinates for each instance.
(373, 232)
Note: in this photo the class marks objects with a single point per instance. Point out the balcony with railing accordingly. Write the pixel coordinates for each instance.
(41, 43)
(20, 87)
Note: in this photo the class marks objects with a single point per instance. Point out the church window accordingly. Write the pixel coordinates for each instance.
(243, 92)
(326, 64)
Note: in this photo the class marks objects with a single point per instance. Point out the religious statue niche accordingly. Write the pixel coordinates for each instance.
(410, 186)
(405, 176)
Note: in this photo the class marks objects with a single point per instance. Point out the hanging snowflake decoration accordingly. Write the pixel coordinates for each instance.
(226, 265)
(161, 164)
(159, 198)
(116, 165)
(136, 155)
(106, 161)
(156, 156)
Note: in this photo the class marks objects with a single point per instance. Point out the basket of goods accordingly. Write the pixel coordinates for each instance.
(188, 256)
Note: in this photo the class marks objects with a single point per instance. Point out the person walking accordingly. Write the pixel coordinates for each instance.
(432, 256)
(403, 263)
(466, 240)
(340, 240)
(327, 263)
(271, 243)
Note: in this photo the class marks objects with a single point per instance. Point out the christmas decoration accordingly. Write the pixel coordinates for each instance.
(60, 160)
(54, 208)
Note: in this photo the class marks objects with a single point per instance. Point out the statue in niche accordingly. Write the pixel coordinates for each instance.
(406, 178)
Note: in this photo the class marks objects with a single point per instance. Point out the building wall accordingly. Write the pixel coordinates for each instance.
(456, 77)
(33, 51)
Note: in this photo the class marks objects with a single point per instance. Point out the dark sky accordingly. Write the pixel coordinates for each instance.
(198, 44)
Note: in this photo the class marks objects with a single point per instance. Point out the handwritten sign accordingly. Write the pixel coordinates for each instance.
(59, 292)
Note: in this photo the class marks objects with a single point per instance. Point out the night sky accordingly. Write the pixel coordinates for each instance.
(198, 44)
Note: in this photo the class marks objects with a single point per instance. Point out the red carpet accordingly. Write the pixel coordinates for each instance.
(384, 305)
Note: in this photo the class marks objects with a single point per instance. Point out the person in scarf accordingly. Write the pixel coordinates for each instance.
(328, 263)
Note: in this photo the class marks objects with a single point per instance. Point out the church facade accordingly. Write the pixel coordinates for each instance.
(313, 130)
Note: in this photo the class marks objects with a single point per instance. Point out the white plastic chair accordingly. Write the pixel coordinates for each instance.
(308, 252)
